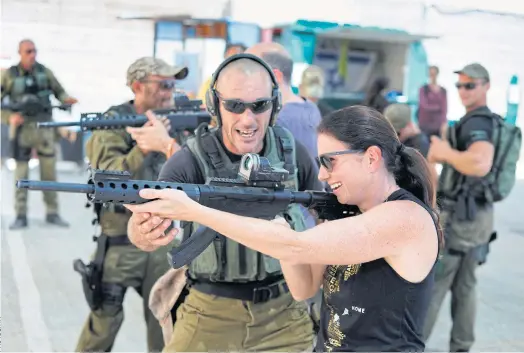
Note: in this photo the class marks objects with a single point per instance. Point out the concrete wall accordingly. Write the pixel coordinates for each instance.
(84, 43)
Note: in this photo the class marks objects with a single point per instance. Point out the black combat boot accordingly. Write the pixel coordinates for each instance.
(19, 223)
(56, 220)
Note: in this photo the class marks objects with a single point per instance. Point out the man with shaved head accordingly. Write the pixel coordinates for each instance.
(31, 83)
(298, 115)
(237, 298)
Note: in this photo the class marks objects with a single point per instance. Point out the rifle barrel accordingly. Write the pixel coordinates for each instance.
(51, 124)
(55, 186)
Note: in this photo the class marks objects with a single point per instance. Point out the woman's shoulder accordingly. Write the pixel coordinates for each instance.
(417, 228)
(405, 195)
(403, 213)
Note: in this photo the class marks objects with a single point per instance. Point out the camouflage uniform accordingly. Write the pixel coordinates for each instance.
(125, 265)
(37, 84)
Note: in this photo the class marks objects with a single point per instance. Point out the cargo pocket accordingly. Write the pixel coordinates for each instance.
(185, 331)
(46, 143)
(28, 137)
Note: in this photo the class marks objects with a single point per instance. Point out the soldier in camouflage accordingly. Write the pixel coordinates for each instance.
(140, 151)
(30, 81)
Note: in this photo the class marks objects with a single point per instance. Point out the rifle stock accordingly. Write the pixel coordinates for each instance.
(258, 192)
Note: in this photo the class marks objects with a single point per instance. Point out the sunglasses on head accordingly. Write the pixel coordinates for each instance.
(238, 106)
(326, 159)
(468, 86)
(168, 84)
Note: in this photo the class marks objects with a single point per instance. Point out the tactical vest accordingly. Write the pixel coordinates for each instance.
(36, 85)
(226, 260)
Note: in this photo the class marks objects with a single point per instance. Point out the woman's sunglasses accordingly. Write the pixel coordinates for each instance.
(238, 106)
(326, 159)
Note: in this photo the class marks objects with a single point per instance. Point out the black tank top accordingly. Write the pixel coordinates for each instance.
(369, 307)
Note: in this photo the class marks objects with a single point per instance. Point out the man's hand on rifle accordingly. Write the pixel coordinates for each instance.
(153, 136)
(166, 122)
(147, 232)
(149, 222)
(16, 119)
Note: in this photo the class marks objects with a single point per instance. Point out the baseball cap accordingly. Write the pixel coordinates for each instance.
(153, 66)
(399, 115)
(474, 70)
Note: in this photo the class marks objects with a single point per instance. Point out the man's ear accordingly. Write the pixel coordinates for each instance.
(278, 75)
(136, 86)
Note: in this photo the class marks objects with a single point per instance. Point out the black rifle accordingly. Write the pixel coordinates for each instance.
(187, 116)
(30, 106)
(258, 192)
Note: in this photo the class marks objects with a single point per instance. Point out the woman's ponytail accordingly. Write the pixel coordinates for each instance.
(412, 174)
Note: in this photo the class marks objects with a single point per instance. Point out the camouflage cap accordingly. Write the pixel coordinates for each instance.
(399, 115)
(153, 66)
(474, 70)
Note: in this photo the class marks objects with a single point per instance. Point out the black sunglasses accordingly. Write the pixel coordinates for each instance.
(168, 84)
(326, 159)
(468, 86)
(238, 106)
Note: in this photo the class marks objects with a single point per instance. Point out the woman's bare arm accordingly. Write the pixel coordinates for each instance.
(303, 280)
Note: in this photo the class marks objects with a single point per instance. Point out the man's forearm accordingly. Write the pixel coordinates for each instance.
(469, 163)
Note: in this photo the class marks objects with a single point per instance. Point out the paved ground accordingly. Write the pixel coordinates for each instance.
(43, 307)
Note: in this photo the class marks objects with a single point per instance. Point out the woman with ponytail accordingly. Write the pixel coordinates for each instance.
(376, 268)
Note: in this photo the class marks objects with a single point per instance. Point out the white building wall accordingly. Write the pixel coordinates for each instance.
(84, 43)
(89, 49)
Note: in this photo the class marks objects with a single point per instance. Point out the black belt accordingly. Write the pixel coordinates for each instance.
(118, 240)
(255, 293)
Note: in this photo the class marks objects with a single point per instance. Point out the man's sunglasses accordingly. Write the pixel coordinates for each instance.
(163, 84)
(326, 159)
(238, 106)
(468, 86)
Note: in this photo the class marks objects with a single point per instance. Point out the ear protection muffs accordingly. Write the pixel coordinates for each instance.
(212, 102)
